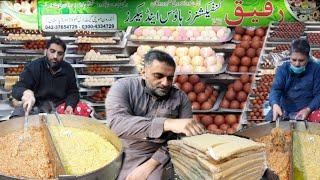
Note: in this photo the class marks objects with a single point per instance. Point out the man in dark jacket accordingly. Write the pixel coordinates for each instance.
(45, 80)
(296, 89)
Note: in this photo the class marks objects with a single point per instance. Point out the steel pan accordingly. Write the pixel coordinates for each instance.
(109, 171)
(263, 130)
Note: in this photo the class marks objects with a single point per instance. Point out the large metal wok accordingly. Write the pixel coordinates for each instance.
(109, 171)
(263, 130)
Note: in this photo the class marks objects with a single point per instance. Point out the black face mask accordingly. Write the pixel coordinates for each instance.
(53, 66)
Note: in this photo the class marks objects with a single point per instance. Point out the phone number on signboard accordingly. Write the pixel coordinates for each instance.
(98, 26)
(86, 26)
(61, 27)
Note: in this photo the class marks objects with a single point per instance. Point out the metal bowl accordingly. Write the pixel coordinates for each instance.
(109, 171)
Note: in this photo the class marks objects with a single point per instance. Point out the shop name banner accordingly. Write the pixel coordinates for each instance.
(175, 12)
(214, 12)
(71, 22)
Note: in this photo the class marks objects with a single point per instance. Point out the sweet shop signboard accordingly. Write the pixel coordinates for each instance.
(199, 13)
(111, 14)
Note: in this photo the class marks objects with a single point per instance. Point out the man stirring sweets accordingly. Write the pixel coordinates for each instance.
(47, 79)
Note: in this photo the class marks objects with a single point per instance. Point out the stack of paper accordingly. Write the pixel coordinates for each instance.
(210, 156)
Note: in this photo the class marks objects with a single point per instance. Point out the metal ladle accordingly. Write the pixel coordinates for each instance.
(25, 136)
(64, 131)
(26, 123)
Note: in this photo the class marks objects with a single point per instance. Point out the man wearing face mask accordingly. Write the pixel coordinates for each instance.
(45, 80)
(296, 89)
(145, 112)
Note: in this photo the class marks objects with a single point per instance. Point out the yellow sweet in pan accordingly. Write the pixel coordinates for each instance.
(82, 151)
(306, 155)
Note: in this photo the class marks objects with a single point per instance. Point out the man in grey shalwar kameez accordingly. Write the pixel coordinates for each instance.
(145, 112)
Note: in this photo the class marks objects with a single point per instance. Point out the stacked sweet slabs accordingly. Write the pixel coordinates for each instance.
(210, 156)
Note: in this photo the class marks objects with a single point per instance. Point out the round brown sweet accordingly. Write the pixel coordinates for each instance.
(233, 68)
(187, 87)
(251, 52)
(206, 120)
(231, 119)
(212, 128)
(256, 44)
(241, 96)
(192, 96)
(240, 52)
(243, 69)
(252, 69)
(231, 131)
(237, 85)
(237, 37)
(254, 61)
(206, 105)
(208, 91)
(225, 103)
(224, 127)
(230, 95)
(199, 87)
(182, 79)
(234, 60)
(234, 104)
(245, 44)
(218, 120)
(242, 104)
(245, 61)
(256, 38)
(195, 106)
(260, 32)
(247, 88)
(202, 97)
(193, 79)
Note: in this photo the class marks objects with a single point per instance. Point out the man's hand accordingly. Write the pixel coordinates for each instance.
(28, 100)
(68, 110)
(276, 110)
(303, 113)
(143, 171)
(189, 127)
